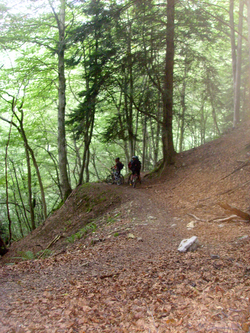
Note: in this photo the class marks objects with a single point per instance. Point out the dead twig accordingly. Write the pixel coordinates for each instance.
(237, 169)
(197, 218)
(219, 220)
(233, 189)
(236, 211)
(50, 244)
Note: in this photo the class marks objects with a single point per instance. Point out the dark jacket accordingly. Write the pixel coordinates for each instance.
(136, 165)
(119, 166)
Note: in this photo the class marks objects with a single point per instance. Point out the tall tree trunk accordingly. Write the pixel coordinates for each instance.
(211, 98)
(144, 142)
(128, 93)
(167, 96)
(87, 166)
(32, 215)
(87, 140)
(248, 25)
(232, 37)
(62, 153)
(7, 182)
(238, 67)
(183, 108)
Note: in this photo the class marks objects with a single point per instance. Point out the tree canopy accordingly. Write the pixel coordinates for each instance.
(82, 82)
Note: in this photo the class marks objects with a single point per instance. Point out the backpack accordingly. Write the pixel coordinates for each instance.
(120, 166)
(136, 165)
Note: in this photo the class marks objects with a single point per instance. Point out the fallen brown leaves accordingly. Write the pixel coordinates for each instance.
(175, 293)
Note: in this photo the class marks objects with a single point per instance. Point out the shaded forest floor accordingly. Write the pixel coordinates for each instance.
(127, 275)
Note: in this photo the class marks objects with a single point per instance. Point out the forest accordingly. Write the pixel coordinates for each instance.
(82, 82)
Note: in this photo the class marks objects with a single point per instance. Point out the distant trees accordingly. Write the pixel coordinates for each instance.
(94, 52)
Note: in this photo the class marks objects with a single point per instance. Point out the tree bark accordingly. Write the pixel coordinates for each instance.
(232, 37)
(237, 76)
(7, 182)
(62, 153)
(248, 25)
(167, 95)
(183, 108)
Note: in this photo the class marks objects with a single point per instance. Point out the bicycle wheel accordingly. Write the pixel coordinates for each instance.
(109, 179)
(121, 180)
(135, 180)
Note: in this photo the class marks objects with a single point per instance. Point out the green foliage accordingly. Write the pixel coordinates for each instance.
(68, 224)
(91, 227)
(44, 253)
(29, 255)
(26, 255)
(112, 219)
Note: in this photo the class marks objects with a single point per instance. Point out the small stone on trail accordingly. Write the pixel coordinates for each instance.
(214, 256)
(152, 218)
(190, 244)
(191, 225)
(244, 237)
(131, 236)
(95, 241)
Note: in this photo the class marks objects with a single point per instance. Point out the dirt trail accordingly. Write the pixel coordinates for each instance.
(128, 276)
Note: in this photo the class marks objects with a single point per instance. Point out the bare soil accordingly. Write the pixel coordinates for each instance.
(128, 275)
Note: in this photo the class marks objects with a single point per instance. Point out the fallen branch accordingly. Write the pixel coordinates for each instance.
(197, 218)
(237, 169)
(236, 211)
(48, 246)
(234, 188)
(219, 220)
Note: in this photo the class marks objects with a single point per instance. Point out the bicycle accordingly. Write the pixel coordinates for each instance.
(133, 179)
(113, 178)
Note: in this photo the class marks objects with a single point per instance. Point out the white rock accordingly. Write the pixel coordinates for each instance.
(187, 244)
(191, 225)
(244, 237)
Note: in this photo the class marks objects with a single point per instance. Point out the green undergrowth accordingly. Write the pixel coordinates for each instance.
(83, 232)
(29, 255)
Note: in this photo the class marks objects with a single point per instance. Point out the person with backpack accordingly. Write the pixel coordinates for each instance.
(118, 167)
(135, 167)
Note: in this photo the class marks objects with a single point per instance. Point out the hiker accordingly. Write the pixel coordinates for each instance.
(130, 164)
(136, 167)
(118, 167)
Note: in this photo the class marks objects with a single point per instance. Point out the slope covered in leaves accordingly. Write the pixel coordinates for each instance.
(127, 275)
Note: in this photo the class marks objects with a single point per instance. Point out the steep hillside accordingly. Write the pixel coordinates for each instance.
(127, 275)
